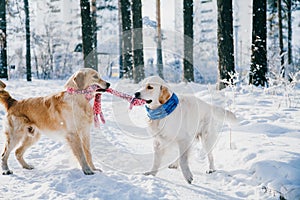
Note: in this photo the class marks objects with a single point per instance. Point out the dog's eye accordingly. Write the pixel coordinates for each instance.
(149, 87)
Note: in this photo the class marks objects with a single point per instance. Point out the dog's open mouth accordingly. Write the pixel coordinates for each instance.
(148, 101)
(101, 90)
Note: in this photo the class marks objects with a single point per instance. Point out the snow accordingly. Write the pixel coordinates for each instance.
(262, 161)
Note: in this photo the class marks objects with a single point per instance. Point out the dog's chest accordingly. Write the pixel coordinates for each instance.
(163, 128)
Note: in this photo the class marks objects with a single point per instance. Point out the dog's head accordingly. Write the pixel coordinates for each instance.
(84, 78)
(155, 91)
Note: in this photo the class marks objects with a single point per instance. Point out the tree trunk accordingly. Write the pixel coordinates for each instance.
(94, 32)
(159, 58)
(225, 43)
(121, 68)
(188, 67)
(3, 44)
(258, 67)
(280, 37)
(137, 41)
(89, 51)
(27, 27)
(126, 38)
(289, 18)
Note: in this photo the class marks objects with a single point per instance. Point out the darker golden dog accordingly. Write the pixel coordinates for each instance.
(69, 115)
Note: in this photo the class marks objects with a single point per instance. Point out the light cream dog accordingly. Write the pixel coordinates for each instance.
(68, 115)
(191, 119)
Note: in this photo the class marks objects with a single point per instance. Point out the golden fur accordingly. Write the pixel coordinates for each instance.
(68, 115)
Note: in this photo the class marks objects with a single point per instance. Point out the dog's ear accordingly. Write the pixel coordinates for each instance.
(76, 81)
(79, 80)
(164, 95)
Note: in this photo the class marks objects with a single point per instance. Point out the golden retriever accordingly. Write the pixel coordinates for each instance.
(181, 120)
(69, 115)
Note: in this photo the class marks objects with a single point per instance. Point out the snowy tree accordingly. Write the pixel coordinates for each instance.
(159, 40)
(126, 38)
(280, 59)
(94, 32)
(225, 42)
(3, 44)
(188, 68)
(27, 27)
(89, 50)
(289, 19)
(280, 37)
(258, 67)
(137, 41)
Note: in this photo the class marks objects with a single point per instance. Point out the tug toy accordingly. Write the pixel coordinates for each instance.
(98, 114)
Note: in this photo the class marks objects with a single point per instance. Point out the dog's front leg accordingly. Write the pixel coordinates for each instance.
(158, 154)
(87, 151)
(77, 147)
(184, 148)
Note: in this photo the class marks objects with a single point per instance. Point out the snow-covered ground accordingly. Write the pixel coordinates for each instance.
(261, 162)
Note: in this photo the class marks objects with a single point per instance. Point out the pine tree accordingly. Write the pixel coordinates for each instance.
(89, 50)
(94, 32)
(27, 27)
(126, 38)
(137, 41)
(289, 19)
(258, 67)
(3, 49)
(280, 37)
(160, 67)
(225, 42)
(188, 68)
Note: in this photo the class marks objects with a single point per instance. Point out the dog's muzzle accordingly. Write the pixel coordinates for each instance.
(104, 90)
(138, 96)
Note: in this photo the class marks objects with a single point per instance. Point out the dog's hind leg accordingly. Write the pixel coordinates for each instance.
(208, 143)
(26, 143)
(158, 154)
(211, 163)
(184, 150)
(11, 142)
(76, 145)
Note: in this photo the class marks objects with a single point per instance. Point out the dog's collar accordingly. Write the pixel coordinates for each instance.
(164, 110)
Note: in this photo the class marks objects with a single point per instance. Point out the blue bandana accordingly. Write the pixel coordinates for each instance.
(164, 110)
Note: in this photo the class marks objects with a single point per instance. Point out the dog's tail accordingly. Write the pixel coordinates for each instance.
(223, 114)
(5, 99)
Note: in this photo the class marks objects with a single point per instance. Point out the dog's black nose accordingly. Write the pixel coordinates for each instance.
(137, 95)
(107, 85)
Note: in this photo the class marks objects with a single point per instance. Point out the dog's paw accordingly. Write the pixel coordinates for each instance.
(153, 173)
(173, 166)
(7, 172)
(189, 180)
(210, 171)
(29, 167)
(97, 170)
(188, 177)
(88, 172)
